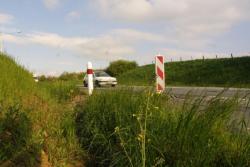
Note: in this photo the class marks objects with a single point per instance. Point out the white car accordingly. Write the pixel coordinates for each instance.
(101, 78)
(35, 77)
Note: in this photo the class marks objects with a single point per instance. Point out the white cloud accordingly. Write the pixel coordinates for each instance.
(51, 4)
(5, 18)
(191, 19)
(131, 35)
(115, 44)
(179, 54)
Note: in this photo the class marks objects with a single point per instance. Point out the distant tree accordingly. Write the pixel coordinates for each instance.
(42, 78)
(119, 67)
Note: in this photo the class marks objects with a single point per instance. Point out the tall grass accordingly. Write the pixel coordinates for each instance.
(32, 119)
(62, 91)
(131, 128)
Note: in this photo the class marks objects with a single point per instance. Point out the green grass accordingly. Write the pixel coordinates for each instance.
(127, 128)
(212, 72)
(35, 117)
(122, 127)
(62, 91)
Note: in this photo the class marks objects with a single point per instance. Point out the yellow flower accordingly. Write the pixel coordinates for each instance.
(156, 108)
(117, 129)
(140, 137)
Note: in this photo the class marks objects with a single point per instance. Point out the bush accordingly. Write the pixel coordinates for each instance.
(14, 132)
(118, 67)
(126, 128)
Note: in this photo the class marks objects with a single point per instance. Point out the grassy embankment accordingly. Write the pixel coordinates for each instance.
(116, 128)
(35, 119)
(139, 129)
(211, 72)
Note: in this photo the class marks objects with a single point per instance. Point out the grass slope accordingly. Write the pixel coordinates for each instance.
(211, 72)
(33, 118)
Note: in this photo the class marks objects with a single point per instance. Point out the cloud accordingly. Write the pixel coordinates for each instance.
(73, 15)
(179, 54)
(65, 63)
(5, 18)
(115, 44)
(190, 19)
(51, 4)
(131, 35)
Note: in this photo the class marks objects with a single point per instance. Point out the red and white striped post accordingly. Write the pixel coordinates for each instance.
(90, 78)
(160, 73)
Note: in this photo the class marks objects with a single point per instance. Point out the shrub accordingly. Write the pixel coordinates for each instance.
(14, 132)
(118, 67)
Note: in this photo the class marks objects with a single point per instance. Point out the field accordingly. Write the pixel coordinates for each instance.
(52, 122)
(231, 72)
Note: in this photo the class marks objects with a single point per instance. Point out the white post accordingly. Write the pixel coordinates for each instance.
(90, 78)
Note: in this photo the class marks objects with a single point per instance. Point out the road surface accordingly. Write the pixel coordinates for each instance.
(194, 91)
(207, 92)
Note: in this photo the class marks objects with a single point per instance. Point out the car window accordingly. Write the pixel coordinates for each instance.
(101, 74)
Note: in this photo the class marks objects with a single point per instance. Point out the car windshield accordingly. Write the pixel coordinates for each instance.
(101, 74)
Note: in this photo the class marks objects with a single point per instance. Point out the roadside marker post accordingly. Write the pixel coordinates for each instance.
(90, 78)
(160, 73)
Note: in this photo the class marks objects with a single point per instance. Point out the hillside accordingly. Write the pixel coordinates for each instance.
(34, 125)
(212, 72)
(15, 81)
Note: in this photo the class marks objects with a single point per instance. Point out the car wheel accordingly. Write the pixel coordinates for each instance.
(97, 84)
(113, 85)
(85, 84)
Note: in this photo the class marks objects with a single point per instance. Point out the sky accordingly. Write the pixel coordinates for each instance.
(54, 36)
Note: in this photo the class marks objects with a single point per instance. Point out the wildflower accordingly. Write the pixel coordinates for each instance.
(122, 143)
(117, 129)
(140, 137)
(134, 115)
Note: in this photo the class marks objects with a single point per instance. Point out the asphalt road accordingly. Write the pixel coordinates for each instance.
(194, 91)
(207, 92)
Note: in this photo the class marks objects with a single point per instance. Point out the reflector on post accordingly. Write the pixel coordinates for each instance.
(160, 73)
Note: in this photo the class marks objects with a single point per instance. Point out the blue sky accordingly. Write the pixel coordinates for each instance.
(53, 36)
